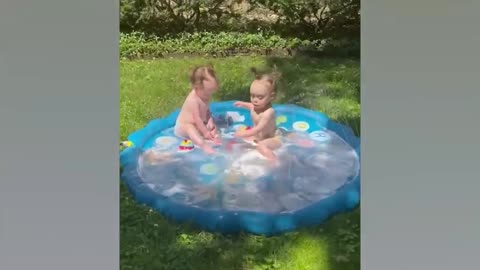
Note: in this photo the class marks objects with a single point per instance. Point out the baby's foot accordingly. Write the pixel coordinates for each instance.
(267, 153)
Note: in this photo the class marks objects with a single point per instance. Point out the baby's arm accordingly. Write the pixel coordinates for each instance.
(210, 123)
(245, 105)
(267, 116)
(213, 128)
(199, 122)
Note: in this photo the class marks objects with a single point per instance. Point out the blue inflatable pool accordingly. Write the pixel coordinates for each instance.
(237, 189)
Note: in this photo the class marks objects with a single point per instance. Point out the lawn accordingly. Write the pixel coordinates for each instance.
(152, 89)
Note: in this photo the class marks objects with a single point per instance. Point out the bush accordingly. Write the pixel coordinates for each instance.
(305, 19)
(314, 18)
(140, 45)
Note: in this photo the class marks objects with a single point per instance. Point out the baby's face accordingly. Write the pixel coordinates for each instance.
(210, 84)
(260, 94)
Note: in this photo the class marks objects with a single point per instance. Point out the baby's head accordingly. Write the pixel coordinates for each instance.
(263, 89)
(203, 78)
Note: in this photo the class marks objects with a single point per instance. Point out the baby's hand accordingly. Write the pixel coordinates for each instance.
(213, 129)
(208, 135)
(240, 133)
(242, 104)
(216, 140)
(211, 125)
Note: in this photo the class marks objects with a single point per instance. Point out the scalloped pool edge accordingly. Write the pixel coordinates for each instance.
(227, 222)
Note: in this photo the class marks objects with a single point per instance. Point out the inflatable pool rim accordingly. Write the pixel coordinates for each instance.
(223, 221)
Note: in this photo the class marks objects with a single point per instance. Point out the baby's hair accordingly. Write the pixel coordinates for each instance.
(199, 74)
(271, 78)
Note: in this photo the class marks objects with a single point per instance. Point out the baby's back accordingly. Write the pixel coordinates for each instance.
(192, 105)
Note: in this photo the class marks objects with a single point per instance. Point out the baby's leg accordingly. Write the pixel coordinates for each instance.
(267, 146)
(191, 132)
(251, 140)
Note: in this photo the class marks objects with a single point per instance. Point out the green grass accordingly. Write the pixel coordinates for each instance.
(152, 89)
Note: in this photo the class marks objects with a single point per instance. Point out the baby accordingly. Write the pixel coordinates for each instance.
(195, 121)
(264, 132)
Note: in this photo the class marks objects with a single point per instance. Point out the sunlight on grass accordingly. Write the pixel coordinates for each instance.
(306, 253)
(200, 240)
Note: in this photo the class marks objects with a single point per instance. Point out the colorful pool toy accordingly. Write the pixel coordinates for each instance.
(126, 144)
(301, 126)
(281, 119)
(186, 146)
(244, 128)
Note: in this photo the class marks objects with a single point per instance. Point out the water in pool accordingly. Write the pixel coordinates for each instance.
(311, 167)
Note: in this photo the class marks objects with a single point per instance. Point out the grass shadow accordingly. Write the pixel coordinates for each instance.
(329, 85)
(305, 78)
(150, 241)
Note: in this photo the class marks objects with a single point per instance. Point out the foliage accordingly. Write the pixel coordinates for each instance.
(305, 19)
(138, 45)
(315, 17)
(174, 16)
(151, 89)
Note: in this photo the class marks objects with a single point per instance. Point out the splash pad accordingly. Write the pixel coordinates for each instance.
(318, 174)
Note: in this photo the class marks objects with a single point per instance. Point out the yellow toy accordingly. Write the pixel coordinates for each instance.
(245, 128)
(186, 145)
(281, 119)
(126, 144)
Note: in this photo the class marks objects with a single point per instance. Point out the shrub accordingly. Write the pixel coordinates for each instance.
(305, 19)
(140, 45)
